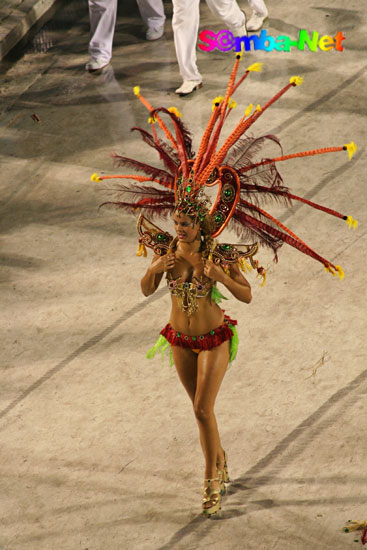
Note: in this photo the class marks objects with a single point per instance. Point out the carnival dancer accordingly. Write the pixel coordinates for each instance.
(202, 340)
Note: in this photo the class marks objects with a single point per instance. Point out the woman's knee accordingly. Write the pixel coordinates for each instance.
(203, 412)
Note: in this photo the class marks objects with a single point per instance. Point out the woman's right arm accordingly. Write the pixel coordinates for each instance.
(152, 278)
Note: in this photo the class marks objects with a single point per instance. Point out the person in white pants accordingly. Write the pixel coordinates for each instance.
(102, 16)
(259, 14)
(185, 24)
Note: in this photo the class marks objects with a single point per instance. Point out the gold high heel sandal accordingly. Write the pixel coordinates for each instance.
(224, 472)
(213, 496)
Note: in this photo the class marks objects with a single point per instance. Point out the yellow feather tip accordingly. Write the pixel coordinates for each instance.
(263, 275)
(217, 100)
(330, 270)
(335, 271)
(248, 110)
(232, 104)
(152, 120)
(142, 251)
(95, 177)
(258, 108)
(351, 148)
(340, 272)
(297, 80)
(137, 90)
(256, 67)
(351, 222)
(175, 111)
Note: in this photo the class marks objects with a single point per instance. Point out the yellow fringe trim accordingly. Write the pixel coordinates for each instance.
(142, 251)
(351, 222)
(263, 275)
(256, 67)
(137, 90)
(95, 177)
(297, 80)
(175, 111)
(244, 266)
(351, 148)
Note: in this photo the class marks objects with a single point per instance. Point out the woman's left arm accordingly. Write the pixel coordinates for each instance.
(235, 281)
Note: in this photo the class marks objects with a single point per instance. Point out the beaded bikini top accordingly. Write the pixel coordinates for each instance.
(222, 254)
(188, 292)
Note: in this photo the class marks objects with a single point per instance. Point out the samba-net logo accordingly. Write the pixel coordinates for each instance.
(225, 41)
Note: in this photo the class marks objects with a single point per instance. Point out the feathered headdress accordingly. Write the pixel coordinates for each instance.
(243, 183)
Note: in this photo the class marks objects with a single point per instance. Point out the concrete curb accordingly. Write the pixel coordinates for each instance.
(19, 19)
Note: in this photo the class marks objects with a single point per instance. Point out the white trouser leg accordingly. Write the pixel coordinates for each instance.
(185, 24)
(102, 15)
(228, 11)
(152, 12)
(258, 6)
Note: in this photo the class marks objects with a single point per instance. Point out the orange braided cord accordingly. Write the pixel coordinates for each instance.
(293, 155)
(241, 128)
(162, 125)
(154, 132)
(216, 135)
(253, 222)
(277, 222)
(236, 134)
(231, 80)
(239, 82)
(275, 191)
(205, 139)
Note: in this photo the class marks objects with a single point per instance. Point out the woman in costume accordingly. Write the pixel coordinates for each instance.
(198, 331)
(201, 338)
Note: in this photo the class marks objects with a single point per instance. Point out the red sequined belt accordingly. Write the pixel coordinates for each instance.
(202, 342)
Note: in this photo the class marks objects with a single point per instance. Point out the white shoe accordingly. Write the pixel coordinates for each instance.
(256, 21)
(188, 86)
(95, 64)
(154, 33)
(240, 31)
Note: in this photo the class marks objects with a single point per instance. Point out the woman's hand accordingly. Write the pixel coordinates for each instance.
(213, 271)
(163, 263)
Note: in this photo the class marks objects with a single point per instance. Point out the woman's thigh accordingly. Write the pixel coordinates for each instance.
(185, 362)
(212, 366)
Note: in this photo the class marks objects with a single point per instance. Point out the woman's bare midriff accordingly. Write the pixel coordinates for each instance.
(207, 317)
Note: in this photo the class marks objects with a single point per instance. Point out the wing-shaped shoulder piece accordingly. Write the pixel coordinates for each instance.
(153, 237)
(226, 253)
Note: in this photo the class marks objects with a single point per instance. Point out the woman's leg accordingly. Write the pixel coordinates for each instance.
(212, 366)
(185, 362)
